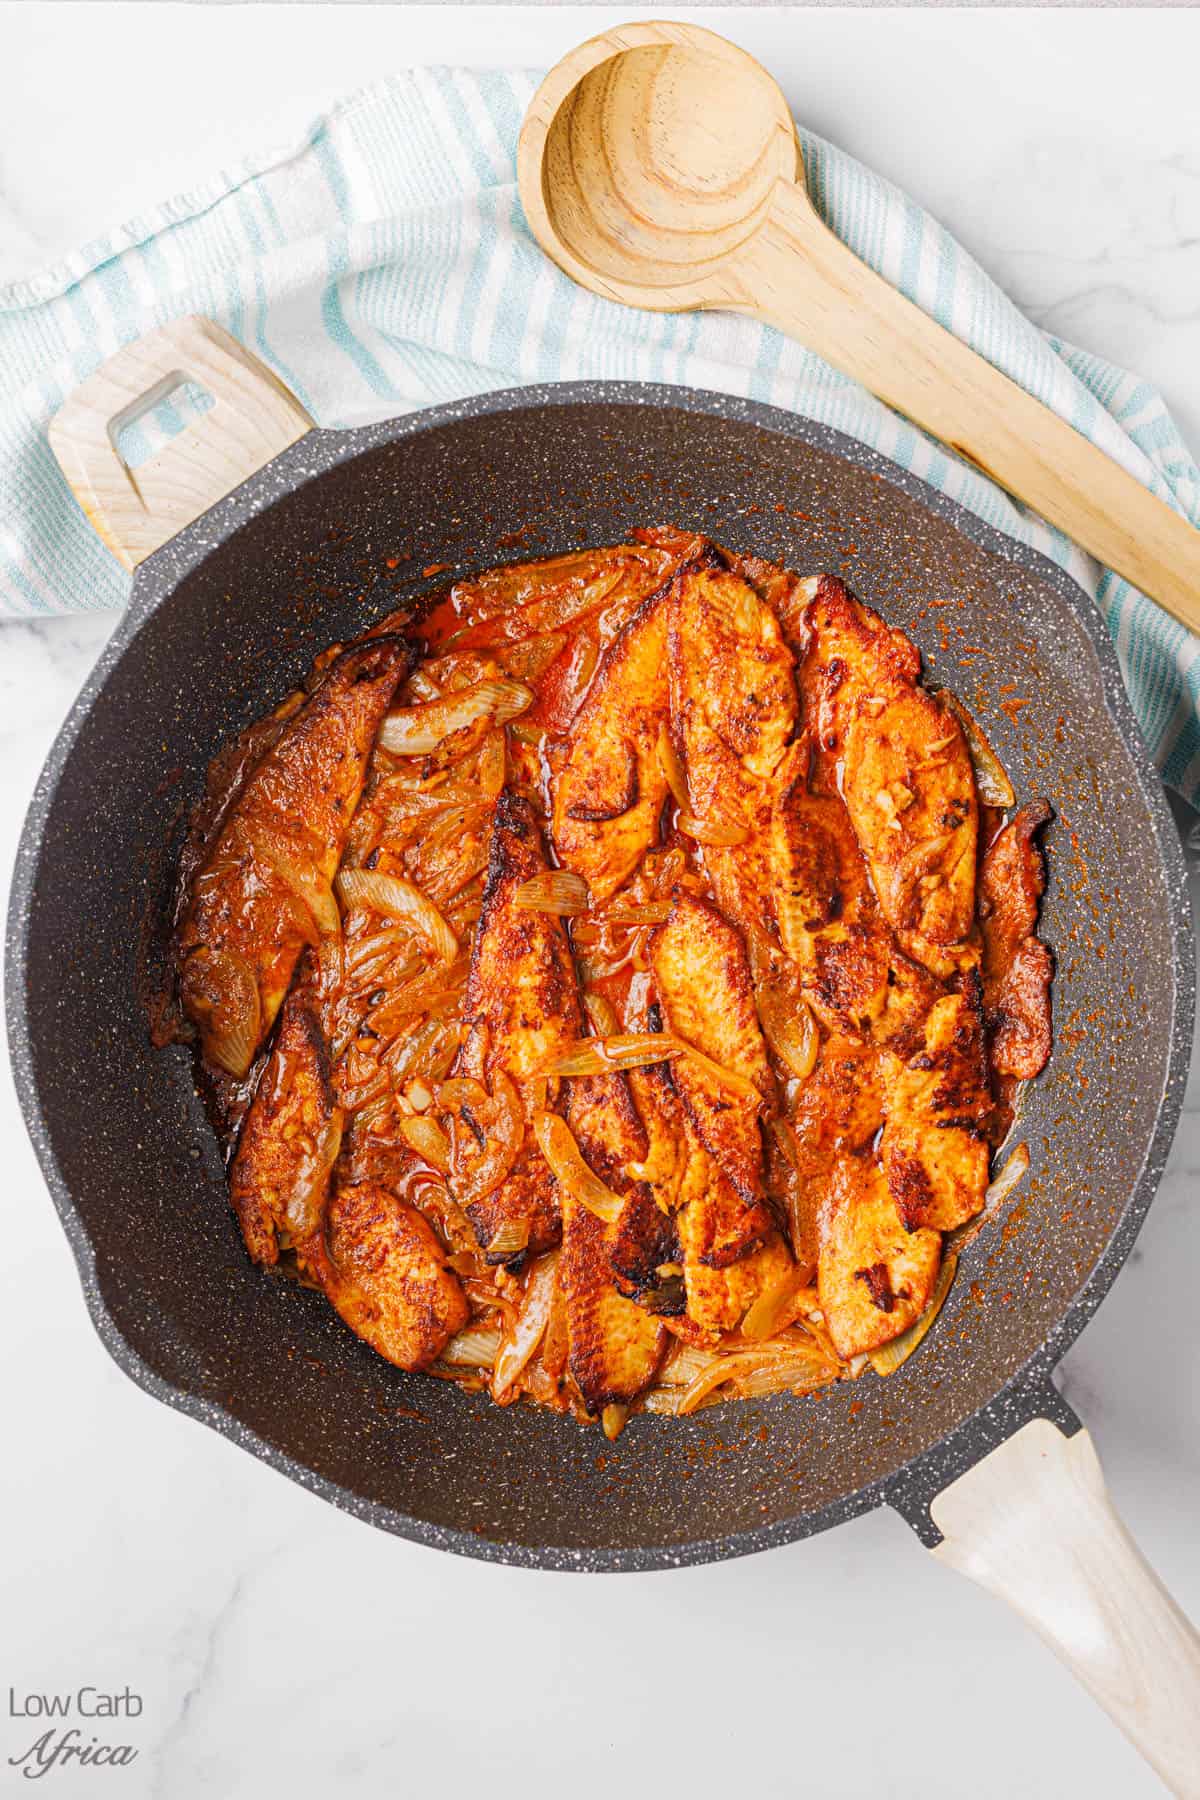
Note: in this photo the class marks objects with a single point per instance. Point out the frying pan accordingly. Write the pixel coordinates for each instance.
(234, 593)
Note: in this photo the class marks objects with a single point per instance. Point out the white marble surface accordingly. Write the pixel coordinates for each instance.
(280, 1646)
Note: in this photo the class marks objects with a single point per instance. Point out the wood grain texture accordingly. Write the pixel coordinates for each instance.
(1034, 1525)
(658, 166)
(253, 418)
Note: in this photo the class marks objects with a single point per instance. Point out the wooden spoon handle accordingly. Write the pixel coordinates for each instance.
(1033, 1524)
(253, 417)
(797, 275)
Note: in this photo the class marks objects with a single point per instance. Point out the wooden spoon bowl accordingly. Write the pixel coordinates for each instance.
(650, 157)
(658, 166)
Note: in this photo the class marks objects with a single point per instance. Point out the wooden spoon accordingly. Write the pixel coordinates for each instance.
(658, 165)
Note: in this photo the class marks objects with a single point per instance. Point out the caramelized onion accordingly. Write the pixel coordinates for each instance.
(612, 1420)
(889, 1358)
(416, 730)
(1012, 1172)
(770, 1370)
(474, 1348)
(510, 1239)
(523, 1336)
(776, 1307)
(493, 764)
(624, 912)
(783, 1012)
(392, 894)
(531, 657)
(672, 767)
(991, 780)
(565, 1158)
(728, 1078)
(711, 831)
(602, 1014)
(628, 1050)
(553, 891)
(476, 1171)
(296, 867)
(219, 990)
(430, 1142)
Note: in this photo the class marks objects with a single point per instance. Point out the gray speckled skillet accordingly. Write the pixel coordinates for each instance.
(225, 618)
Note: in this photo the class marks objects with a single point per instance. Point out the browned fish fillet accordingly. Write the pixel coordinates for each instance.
(848, 652)
(704, 987)
(829, 919)
(609, 787)
(838, 1109)
(937, 1104)
(1017, 968)
(522, 1009)
(263, 891)
(900, 759)
(289, 1142)
(522, 600)
(615, 1343)
(874, 1277)
(910, 791)
(385, 1272)
(733, 712)
(713, 1227)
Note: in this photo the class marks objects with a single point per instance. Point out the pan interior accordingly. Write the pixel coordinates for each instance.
(238, 625)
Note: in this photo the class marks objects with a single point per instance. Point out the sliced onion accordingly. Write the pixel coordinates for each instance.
(416, 730)
(672, 767)
(393, 895)
(886, 1360)
(728, 1078)
(531, 657)
(565, 1158)
(219, 990)
(794, 1367)
(776, 1307)
(628, 1050)
(424, 992)
(553, 891)
(453, 1095)
(711, 831)
(991, 781)
(602, 1014)
(510, 1239)
(1012, 1172)
(995, 1198)
(783, 1011)
(296, 867)
(474, 1348)
(476, 1172)
(684, 1362)
(613, 1420)
(623, 912)
(522, 1338)
(430, 1142)
(493, 764)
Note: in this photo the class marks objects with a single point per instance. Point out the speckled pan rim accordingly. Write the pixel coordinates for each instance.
(1030, 1393)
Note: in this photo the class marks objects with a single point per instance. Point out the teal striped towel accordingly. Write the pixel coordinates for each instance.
(383, 264)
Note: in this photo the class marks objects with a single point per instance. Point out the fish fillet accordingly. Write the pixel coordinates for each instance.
(289, 1142)
(609, 788)
(263, 891)
(522, 1009)
(936, 1105)
(874, 1277)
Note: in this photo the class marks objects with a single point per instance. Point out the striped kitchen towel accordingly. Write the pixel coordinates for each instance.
(383, 264)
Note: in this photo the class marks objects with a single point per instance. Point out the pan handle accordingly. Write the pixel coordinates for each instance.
(135, 510)
(1033, 1523)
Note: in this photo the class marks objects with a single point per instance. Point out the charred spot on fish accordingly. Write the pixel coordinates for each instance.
(879, 1286)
